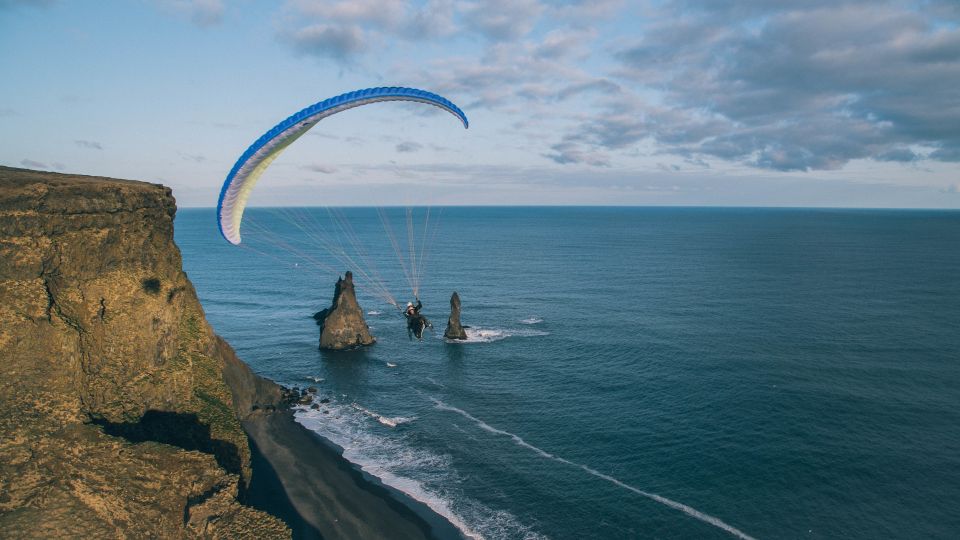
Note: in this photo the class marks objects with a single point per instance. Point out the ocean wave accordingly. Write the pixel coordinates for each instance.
(531, 320)
(374, 312)
(688, 510)
(488, 335)
(423, 475)
(385, 420)
(314, 378)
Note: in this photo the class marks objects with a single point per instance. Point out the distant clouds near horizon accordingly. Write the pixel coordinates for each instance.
(840, 103)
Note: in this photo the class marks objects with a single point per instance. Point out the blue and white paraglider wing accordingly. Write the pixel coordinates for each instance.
(248, 169)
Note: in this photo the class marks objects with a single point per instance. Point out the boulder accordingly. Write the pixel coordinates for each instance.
(342, 325)
(454, 329)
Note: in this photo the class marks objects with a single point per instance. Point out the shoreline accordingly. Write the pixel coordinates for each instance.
(302, 478)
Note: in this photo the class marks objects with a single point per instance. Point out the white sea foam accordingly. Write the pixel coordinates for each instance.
(385, 420)
(488, 335)
(374, 312)
(314, 378)
(531, 320)
(689, 510)
(423, 475)
(391, 364)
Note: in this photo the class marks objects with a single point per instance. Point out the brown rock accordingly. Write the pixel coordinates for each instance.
(454, 329)
(116, 418)
(342, 325)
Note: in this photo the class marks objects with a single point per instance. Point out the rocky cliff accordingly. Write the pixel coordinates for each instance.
(342, 325)
(454, 329)
(116, 416)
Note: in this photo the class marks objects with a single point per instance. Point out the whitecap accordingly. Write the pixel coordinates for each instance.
(374, 312)
(385, 420)
(423, 475)
(488, 335)
(531, 320)
(390, 364)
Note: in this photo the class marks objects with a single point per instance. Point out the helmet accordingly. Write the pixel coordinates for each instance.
(409, 304)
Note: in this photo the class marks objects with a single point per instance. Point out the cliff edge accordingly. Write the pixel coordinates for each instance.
(120, 409)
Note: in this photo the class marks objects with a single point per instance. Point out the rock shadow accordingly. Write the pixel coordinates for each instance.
(183, 430)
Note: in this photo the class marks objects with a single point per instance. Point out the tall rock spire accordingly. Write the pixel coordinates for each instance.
(454, 329)
(342, 325)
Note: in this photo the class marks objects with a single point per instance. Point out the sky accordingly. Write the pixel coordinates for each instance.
(837, 103)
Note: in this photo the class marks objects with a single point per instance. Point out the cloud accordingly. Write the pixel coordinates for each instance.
(578, 11)
(346, 29)
(93, 145)
(568, 152)
(322, 169)
(602, 86)
(203, 13)
(902, 155)
(565, 42)
(515, 77)
(333, 41)
(434, 19)
(409, 147)
(31, 164)
(502, 20)
(949, 152)
(792, 85)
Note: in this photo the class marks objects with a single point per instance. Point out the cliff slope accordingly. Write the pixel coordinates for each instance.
(115, 413)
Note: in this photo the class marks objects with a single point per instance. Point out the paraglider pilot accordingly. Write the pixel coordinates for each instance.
(416, 322)
(413, 310)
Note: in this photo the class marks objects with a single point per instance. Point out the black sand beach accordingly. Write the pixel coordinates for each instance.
(303, 479)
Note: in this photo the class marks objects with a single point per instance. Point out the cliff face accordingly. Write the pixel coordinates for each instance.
(342, 325)
(115, 411)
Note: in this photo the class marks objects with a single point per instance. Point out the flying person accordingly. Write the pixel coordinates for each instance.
(413, 310)
(416, 322)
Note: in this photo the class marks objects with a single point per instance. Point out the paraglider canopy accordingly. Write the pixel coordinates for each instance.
(251, 165)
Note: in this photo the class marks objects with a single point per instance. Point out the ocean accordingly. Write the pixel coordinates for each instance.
(630, 372)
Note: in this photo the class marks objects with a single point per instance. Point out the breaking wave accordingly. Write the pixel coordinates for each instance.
(423, 475)
(531, 320)
(385, 420)
(488, 335)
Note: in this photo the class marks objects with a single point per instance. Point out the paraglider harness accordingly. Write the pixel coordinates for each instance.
(416, 322)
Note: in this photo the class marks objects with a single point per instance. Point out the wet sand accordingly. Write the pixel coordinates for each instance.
(304, 480)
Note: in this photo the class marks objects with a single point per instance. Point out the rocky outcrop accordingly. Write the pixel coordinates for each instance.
(342, 325)
(454, 329)
(117, 415)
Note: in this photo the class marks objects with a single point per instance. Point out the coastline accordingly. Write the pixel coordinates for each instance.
(304, 479)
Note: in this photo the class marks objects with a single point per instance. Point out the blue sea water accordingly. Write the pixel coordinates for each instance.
(631, 372)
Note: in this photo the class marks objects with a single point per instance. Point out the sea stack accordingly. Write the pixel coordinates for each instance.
(454, 329)
(342, 325)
